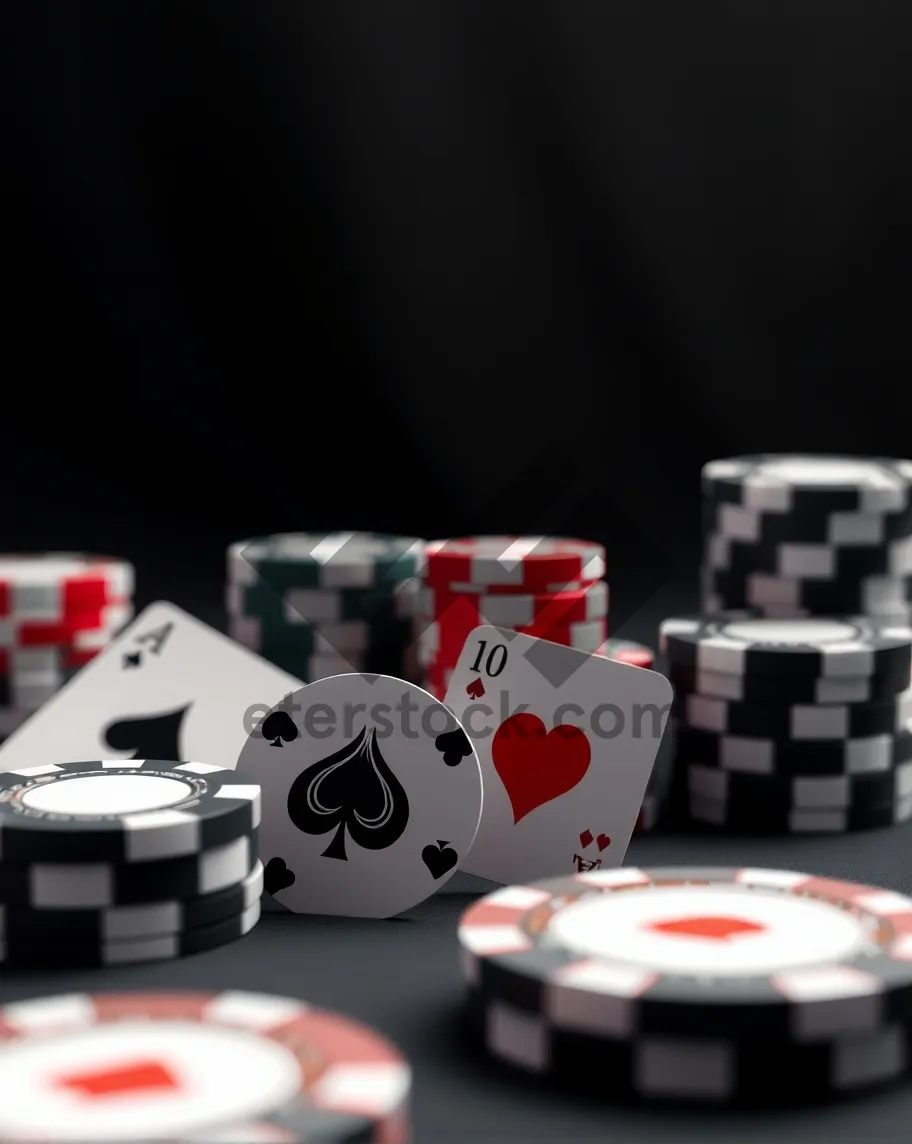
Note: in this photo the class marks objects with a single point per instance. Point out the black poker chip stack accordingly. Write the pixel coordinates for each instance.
(792, 536)
(791, 726)
(792, 700)
(104, 864)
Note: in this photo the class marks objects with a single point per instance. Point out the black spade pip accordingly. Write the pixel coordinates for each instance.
(354, 790)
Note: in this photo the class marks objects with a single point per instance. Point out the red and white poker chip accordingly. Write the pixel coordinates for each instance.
(518, 610)
(87, 630)
(442, 641)
(627, 651)
(208, 1066)
(526, 562)
(51, 586)
(712, 952)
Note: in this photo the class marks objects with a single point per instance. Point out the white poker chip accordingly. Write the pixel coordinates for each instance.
(813, 648)
(774, 956)
(195, 1067)
(787, 483)
(122, 810)
(371, 794)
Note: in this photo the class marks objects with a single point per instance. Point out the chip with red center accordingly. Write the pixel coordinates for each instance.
(695, 952)
(193, 1067)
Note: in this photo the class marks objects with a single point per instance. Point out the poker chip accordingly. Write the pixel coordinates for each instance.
(57, 611)
(325, 560)
(96, 927)
(813, 562)
(794, 597)
(544, 587)
(800, 792)
(50, 586)
(320, 605)
(794, 757)
(808, 536)
(75, 953)
(101, 885)
(672, 1068)
(788, 689)
(799, 722)
(811, 648)
(838, 529)
(794, 483)
(214, 1066)
(128, 811)
(627, 651)
(519, 610)
(627, 953)
(522, 562)
(766, 820)
(442, 641)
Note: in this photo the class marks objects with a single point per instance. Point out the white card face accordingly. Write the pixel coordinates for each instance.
(566, 741)
(169, 687)
(371, 796)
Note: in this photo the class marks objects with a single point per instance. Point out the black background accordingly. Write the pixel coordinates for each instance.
(441, 268)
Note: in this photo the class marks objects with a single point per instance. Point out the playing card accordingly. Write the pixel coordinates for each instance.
(566, 743)
(371, 796)
(169, 687)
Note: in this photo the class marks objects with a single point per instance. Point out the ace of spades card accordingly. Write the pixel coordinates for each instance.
(371, 796)
(169, 687)
(566, 741)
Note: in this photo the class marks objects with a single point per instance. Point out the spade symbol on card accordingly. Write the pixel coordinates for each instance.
(148, 736)
(277, 876)
(154, 642)
(279, 728)
(352, 790)
(454, 746)
(439, 859)
(476, 689)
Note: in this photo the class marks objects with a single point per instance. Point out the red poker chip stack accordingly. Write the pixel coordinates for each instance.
(57, 611)
(548, 587)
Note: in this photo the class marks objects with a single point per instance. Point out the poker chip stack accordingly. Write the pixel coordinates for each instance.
(57, 611)
(547, 587)
(718, 986)
(322, 604)
(793, 536)
(791, 726)
(114, 862)
(165, 1065)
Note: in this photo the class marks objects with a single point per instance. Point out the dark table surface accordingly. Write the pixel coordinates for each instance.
(402, 977)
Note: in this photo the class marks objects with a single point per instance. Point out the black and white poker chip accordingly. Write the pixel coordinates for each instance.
(795, 483)
(765, 594)
(125, 811)
(755, 755)
(788, 689)
(92, 929)
(835, 529)
(783, 819)
(17, 951)
(799, 722)
(826, 563)
(820, 648)
(747, 793)
(102, 885)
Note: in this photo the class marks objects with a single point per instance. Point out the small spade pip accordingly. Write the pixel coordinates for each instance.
(279, 728)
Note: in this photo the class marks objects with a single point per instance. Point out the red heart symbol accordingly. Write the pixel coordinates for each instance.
(536, 766)
(602, 841)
